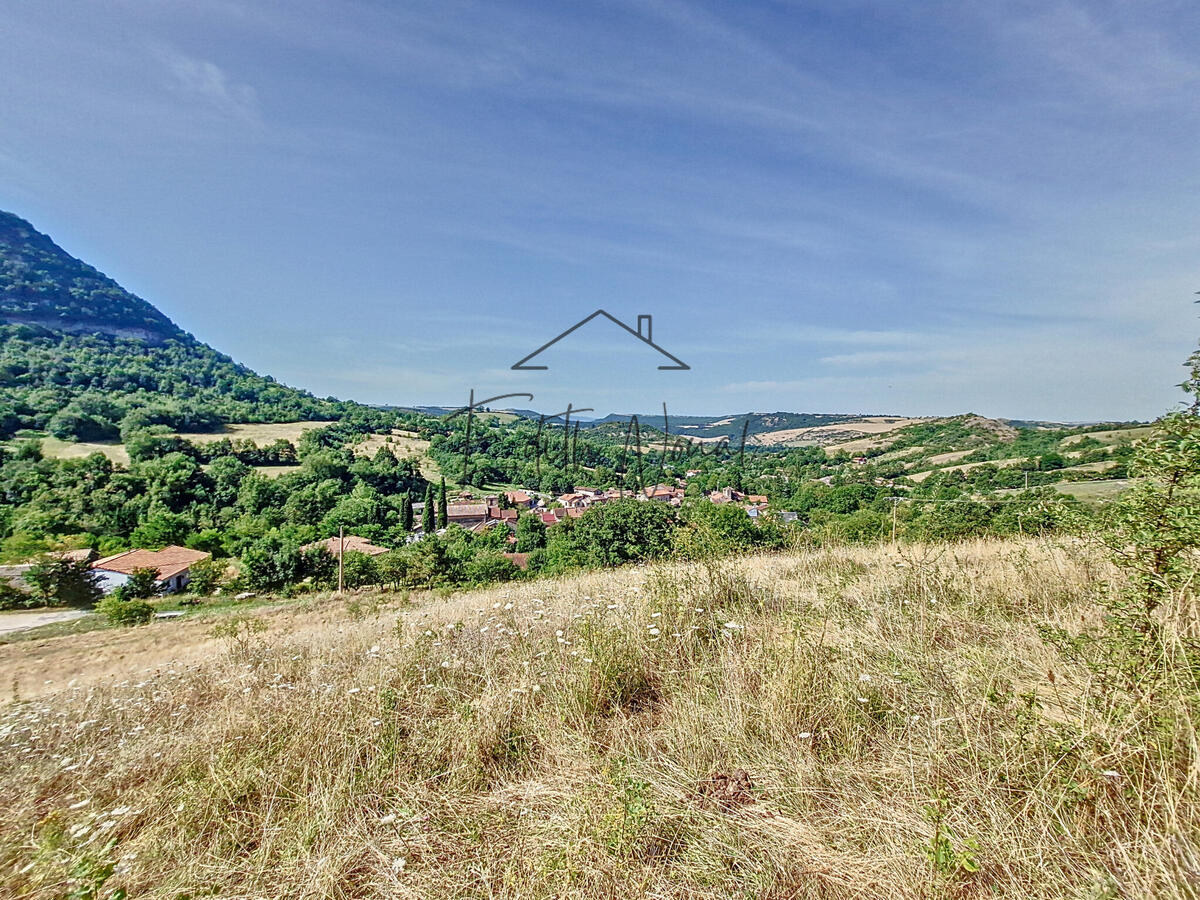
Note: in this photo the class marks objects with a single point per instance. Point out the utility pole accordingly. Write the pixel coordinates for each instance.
(895, 506)
(1026, 479)
(341, 556)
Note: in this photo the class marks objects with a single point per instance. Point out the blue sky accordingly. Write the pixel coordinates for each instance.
(826, 206)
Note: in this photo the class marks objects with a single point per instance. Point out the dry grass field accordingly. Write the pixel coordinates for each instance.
(857, 722)
(261, 434)
(403, 444)
(1116, 436)
(831, 434)
(1094, 491)
(53, 448)
(275, 471)
(966, 467)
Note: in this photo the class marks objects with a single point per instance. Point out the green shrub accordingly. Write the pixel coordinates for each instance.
(204, 576)
(12, 597)
(66, 582)
(121, 611)
(489, 566)
(359, 569)
(142, 584)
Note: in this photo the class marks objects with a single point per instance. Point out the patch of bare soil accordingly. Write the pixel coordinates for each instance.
(727, 791)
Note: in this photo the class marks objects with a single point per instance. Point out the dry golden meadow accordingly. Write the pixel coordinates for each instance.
(858, 722)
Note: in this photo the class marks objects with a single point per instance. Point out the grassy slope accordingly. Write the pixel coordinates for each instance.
(551, 739)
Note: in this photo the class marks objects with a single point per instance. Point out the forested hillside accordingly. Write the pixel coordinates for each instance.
(81, 357)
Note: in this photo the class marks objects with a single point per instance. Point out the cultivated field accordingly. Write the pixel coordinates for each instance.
(833, 724)
(839, 436)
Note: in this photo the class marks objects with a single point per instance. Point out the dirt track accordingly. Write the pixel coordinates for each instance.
(19, 621)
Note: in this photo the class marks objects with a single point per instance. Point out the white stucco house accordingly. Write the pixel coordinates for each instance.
(172, 564)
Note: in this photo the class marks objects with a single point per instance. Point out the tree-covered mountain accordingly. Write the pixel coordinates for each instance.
(81, 357)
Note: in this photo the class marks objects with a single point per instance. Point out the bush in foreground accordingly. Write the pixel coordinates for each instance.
(122, 610)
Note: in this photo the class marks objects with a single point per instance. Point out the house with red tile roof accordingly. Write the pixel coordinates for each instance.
(350, 542)
(84, 555)
(726, 495)
(466, 514)
(665, 493)
(520, 560)
(172, 564)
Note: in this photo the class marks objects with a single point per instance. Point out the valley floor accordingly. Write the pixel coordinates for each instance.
(860, 722)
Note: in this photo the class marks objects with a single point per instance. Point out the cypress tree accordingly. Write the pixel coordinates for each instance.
(427, 512)
(406, 513)
(442, 512)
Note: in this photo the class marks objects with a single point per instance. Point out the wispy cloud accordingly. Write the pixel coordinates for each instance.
(205, 82)
(840, 204)
(1122, 62)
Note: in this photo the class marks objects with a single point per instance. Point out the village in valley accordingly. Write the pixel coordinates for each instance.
(464, 509)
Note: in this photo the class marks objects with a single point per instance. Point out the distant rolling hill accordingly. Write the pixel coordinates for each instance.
(853, 433)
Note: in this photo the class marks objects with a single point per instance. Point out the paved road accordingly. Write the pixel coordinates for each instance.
(19, 621)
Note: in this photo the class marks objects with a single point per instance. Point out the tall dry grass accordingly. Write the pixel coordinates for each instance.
(922, 723)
